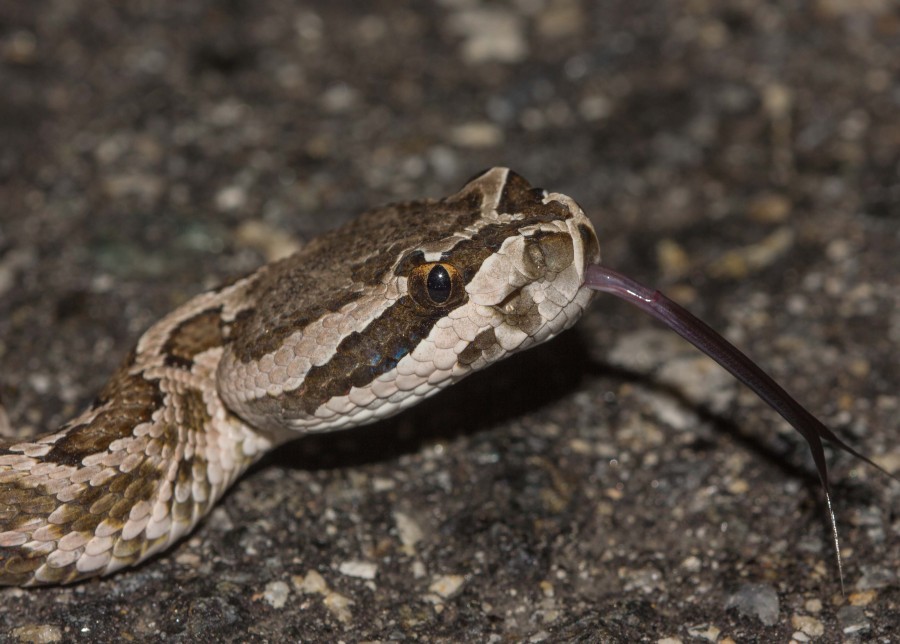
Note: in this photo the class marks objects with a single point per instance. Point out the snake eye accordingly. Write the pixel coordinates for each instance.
(436, 285)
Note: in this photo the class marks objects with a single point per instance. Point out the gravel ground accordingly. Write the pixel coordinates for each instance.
(611, 486)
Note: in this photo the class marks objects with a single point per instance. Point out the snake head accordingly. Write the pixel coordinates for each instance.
(376, 315)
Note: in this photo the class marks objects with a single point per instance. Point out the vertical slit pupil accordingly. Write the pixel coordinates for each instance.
(438, 284)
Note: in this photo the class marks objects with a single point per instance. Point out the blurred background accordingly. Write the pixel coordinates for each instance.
(614, 486)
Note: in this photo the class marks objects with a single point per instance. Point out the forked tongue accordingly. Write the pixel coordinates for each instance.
(698, 333)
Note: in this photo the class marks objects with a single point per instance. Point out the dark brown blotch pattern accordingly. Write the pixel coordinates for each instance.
(194, 336)
(518, 196)
(362, 357)
(482, 345)
(127, 401)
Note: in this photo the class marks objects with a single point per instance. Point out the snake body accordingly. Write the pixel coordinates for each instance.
(362, 322)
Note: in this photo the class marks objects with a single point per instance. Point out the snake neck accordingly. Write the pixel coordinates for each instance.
(138, 468)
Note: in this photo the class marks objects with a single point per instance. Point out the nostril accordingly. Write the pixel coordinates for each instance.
(557, 249)
(533, 260)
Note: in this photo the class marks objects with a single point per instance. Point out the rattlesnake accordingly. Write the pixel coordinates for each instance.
(361, 323)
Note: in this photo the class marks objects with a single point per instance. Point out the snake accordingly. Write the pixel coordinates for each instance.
(359, 324)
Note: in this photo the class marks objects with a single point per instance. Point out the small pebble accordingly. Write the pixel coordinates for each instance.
(809, 625)
(708, 632)
(476, 135)
(383, 484)
(547, 589)
(756, 600)
(189, 559)
(595, 107)
(692, 564)
(231, 198)
(358, 569)
(875, 577)
(276, 594)
(339, 606)
(446, 585)
(770, 208)
(674, 261)
(272, 242)
(409, 531)
(853, 620)
(490, 34)
(37, 634)
(561, 19)
(20, 48)
(739, 263)
(339, 98)
(863, 598)
(312, 583)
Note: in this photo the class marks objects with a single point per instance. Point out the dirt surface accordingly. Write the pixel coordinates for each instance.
(611, 486)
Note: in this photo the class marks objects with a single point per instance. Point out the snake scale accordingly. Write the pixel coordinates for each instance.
(361, 323)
